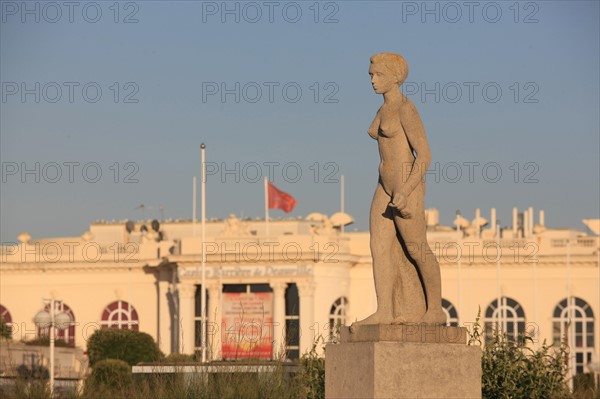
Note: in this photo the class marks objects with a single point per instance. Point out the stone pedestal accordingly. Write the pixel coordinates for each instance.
(402, 361)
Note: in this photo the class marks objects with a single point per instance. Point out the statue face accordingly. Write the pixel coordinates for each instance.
(381, 79)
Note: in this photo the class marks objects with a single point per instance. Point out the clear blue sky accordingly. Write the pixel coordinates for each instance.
(542, 55)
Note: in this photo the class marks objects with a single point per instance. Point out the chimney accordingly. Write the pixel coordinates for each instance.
(515, 224)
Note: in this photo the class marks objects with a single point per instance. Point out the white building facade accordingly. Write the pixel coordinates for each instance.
(272, 296)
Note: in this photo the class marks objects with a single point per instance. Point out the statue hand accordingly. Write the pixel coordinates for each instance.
(400, 202)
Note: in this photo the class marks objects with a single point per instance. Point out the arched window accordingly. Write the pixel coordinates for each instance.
(337, 317)
(508, 318)
(579, 335)
(67, 334)
(7, 318)
(120, 315)
(451, 314)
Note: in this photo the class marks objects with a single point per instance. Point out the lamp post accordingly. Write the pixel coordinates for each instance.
(50, 320)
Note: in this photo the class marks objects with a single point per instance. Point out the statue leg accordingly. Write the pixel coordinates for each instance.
(383, 236)
(408, 296)
(413, 233)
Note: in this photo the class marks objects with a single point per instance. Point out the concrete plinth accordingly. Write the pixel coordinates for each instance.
(401, 366)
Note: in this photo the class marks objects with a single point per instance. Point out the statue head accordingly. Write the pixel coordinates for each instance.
(387, 69)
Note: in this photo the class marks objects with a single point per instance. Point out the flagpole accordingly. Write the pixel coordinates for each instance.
(498, 283)
(194, 206)
(342, 198)
(267, 204)
(570, 315)
(203, 291)
(459, 271)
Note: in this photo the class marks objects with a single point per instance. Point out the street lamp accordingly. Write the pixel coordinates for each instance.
(50, 320)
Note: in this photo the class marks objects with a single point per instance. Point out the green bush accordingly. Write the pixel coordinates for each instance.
(180, 358)
(132, 347)
(5, 332)
(313, 372)
(514, 370)
(44, 340)
(110, 372)
(26, 389)
(109, 378)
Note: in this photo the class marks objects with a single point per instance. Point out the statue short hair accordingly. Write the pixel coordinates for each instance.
(396, 64)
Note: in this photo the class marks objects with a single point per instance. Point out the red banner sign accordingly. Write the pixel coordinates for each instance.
(247, 325)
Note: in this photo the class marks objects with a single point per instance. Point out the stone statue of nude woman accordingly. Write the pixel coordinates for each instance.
(397, 219)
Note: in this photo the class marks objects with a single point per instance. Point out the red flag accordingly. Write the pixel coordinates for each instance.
(280, 200)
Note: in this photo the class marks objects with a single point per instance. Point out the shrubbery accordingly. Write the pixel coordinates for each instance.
(110, 372)
(312, 375)
(132, 347)
(44, 340)
(512, 369)
(5, 332)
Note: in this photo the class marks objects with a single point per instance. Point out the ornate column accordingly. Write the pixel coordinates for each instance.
(214, 326)
(306, 291)
(187, 293)
(278, 318)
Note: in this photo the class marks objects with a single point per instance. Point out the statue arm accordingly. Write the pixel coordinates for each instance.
(415, 134)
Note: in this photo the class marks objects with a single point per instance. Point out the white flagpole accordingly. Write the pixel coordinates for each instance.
(498, 284)
(570, 315)
(194, 206)
(267, 204)
(203, 291)
(342, 199)
(459, 271)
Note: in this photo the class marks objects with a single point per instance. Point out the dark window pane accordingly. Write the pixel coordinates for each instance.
(293, 354)
(292, 301)
(510, 329)
(563, 303)
(578, 327)
(234, 288)
(590, 341)
(198, 301)
(589, 312)
(453, 313)
(292, 331)
(197, 333)
(450, 308)
(489, 312)
(557, 311)
(260, 288)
